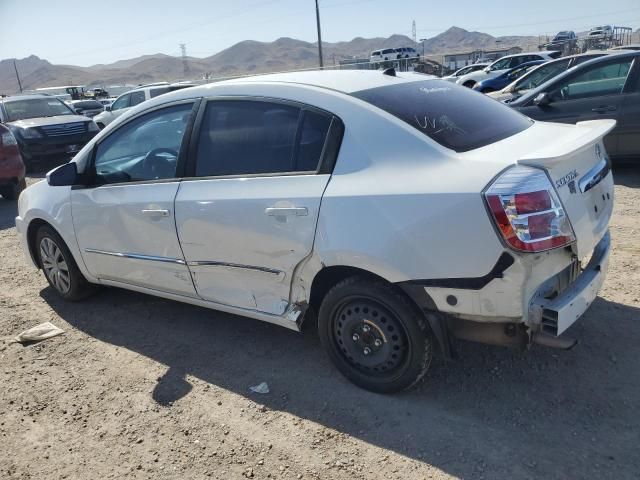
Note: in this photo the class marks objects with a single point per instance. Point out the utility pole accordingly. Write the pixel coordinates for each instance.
(185, 65)
(17, 76)
(413, 31)
(319, 36)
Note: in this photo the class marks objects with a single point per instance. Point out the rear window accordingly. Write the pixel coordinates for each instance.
(456, 117)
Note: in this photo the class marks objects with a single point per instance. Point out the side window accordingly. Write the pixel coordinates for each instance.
(600, 80)
(137, 98)
(154, 92)
(146, 148)
(121, 102)
(542, 74)
(242, 137)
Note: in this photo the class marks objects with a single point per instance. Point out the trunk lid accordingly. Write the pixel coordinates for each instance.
(579, 168)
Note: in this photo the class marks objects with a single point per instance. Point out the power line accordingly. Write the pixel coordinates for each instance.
(557, 20)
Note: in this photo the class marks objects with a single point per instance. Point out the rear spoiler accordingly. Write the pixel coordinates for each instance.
(588, 133)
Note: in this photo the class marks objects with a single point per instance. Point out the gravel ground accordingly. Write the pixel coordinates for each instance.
(144, 388)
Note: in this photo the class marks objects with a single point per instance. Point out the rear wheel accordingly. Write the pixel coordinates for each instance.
(60, 269)
(374, 335)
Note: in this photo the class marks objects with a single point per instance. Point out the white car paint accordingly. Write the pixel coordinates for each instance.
(494, 69)
(397, 204)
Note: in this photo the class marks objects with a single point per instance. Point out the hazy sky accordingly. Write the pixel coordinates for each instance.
(81, 32)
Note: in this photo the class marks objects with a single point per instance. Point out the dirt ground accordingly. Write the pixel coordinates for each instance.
(143, 388)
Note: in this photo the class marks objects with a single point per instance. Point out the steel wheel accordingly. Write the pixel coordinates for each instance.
(370, 337)
(54, 265)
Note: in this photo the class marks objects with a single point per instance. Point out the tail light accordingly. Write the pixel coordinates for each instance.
(527, 210)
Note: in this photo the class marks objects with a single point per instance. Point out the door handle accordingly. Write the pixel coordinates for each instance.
(604, 109)
(286, 211)
(156, 212)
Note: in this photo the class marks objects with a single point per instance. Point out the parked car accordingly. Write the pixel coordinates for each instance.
(565, 40)
(541, 74)
(464, 70)
(496, 83)
(12, 171)
(278, 196)
(503, 64)
(45, 127)
(604, 32)
(605, 87)
(96, 93)
(88, 108)
(383, 55)
(134, 97)
(406, 52)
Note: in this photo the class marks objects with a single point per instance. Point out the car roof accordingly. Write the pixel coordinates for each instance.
(346, 81)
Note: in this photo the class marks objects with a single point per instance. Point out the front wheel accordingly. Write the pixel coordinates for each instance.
(374, 335)
(60, 269)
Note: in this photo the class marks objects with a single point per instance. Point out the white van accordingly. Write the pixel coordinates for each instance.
(383, 55)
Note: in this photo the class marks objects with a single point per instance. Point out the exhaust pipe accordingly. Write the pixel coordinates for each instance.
(550, 341)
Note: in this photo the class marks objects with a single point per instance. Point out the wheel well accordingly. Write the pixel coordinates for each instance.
(32, 231)
(469, 83)
(326, 278)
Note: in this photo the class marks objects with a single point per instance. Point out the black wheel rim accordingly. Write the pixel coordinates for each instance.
(370, 337)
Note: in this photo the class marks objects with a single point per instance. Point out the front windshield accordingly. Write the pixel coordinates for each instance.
(35, 108)
(500, 64)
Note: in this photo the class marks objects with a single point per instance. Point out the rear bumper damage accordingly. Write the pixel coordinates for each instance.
(534, 300)
(554, 315)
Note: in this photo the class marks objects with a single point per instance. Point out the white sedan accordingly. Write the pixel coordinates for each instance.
(398, 211)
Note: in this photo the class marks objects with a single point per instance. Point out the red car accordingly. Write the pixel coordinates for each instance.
(12, 169)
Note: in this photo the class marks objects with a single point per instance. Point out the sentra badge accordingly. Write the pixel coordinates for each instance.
(561, 182)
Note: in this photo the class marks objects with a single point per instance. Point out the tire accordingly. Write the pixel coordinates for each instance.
(469, 83)
(374, 335)
(12, 192)
(59, 266)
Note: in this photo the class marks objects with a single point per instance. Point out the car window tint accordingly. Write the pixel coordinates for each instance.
(315, 127)
(121, 102)
(501, 64)
(454, 116)
(146, 148)
(542, 74)
(598, 80)
(137, 98)
(247, 138)
(154, 92)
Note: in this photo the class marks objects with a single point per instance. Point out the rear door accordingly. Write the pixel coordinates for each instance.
(592, 93)
(247, 216)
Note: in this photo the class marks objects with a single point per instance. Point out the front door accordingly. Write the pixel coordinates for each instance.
(125, 222)
(593, 93)
(248, 216)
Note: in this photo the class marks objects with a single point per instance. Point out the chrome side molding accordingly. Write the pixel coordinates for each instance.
(136, 256)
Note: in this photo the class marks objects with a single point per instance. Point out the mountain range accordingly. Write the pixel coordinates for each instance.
(245, 57)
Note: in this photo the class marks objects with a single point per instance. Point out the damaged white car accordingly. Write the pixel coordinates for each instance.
(398, 211)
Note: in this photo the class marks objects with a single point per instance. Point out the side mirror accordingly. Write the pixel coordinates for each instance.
(63, 176)
(107, 108)
(542, 100)
(78, 111)
(486, 69)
